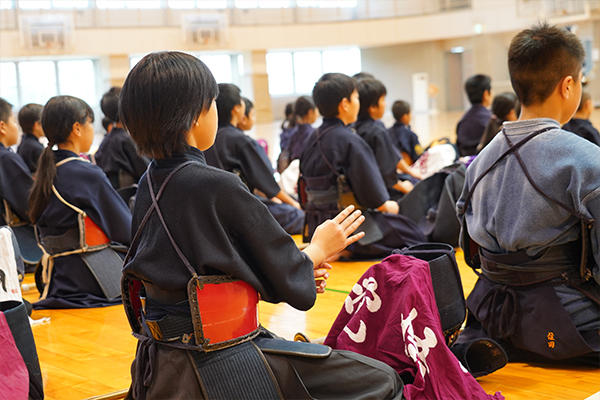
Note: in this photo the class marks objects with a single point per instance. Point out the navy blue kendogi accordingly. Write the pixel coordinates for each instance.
(15, 184)
(386, 155)
(335, 150)
(584, 128)
(85, 186)
(236, 152)
(119, 159)
(30, 149)
(299, 140)
(405, 140)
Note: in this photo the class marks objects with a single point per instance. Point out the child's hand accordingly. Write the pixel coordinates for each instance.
(321, 276)
(333, 235)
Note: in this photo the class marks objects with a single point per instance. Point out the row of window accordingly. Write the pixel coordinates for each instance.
(175, 4)
(290, 73)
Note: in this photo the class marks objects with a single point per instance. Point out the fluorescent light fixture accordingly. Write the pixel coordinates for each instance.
(457, 50)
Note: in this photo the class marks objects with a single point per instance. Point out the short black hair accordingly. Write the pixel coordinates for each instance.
(369, 92)
(399, 109)
(503, 104)
(163, 95)
(475, 86)
(29, 114)
(289, 110)
(249, 106)
(5, 110)
(330, 90)
(303, 105)
(363, 75)
(539, 57)
(109, 104)
(229, 97)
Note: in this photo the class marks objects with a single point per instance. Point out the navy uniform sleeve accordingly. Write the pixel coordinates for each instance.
(102, 203)
(363, 174)
(255, 171)
(15, 183)
(284, 273)
(387, 157)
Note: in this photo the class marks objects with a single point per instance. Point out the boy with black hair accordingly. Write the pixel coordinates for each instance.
(405, 140)
(117, 155)
(530, 206)
(15, 178)
(217, 245)
(580, 124)
(472, 124)
(236, 152)
(30, 148)
(337, 165)
(371, 93)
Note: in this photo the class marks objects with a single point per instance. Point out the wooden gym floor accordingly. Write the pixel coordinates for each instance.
(87, 352)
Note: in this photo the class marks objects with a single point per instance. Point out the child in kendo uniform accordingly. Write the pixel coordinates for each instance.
(219, 232)
(15, 178)
(530, 208)
(337, 164)
(30, 148)
(372, 93)
(236, 152)
(78, 214)
(117, 154)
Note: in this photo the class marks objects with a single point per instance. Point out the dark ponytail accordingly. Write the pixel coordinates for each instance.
(58, 117)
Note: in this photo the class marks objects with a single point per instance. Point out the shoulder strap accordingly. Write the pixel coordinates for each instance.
(69, 159)
(58, 196)
(154, 206)
(318, 135)
(511, 149)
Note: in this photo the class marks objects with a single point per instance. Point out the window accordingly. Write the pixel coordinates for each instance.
(9, 89)
(37, 80)
(35, 4)
(219, 65)
(6, 4)
(78, 78)
(307, 70)
(281, 73)
(137, 4)
(346, 61)
(327, 3)
(70, 3)
(299, 77)
(262, 4)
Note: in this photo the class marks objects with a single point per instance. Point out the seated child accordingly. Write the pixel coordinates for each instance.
(306, 114)
(30, 147)
(405, 140)
(246, 123)
(287, 126)
(531, 213)
(339, 167)
(505, 107)
(371, 93)
(117, 154)
(15, 178)
(77, 213)
(236, 152)
(580, 124)
(219, 232)
(472, 124)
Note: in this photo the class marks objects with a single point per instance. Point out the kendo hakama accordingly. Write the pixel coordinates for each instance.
(85, 186)
(119, 159)
(233, 151)
(335, 150)
(386, 155)
(226, 231)
(30, 150)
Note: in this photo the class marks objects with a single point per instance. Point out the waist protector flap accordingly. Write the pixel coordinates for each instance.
(106, 266)
(288, 348)
(54, 244)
